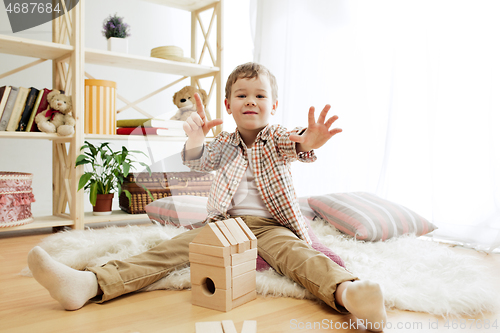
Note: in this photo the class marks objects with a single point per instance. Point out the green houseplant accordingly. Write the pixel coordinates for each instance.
(108, 170)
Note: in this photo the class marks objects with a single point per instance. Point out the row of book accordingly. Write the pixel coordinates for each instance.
(150, 126)
(19, 106)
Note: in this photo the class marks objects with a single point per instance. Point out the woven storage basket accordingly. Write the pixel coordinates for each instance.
(161, 185)
(16, 197)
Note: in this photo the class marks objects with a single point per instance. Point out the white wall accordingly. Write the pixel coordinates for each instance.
(151, 26)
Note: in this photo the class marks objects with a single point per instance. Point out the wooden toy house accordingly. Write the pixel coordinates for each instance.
(223, 261)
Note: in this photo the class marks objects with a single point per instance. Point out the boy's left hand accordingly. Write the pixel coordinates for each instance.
(317, 132)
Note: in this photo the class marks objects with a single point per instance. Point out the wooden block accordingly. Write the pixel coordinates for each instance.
(228, 326)
(211, 235)
(248, 232)
(245, 299)
(230, 238)
(238, 234)
(209, 260)
(220, 300)
(221, 276)
(249, 326)
(244, 284)
(209, 327)
(247, 266)
(215, 251)
(239, 258)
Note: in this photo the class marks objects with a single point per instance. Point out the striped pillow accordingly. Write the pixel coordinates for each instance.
(368, 217)
(186, 211)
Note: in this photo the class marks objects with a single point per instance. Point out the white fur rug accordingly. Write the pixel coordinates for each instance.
(415, 274)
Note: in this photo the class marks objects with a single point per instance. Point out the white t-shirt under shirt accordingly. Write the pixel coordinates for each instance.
(247, 199)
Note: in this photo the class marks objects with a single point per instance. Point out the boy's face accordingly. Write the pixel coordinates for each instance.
(251, 103)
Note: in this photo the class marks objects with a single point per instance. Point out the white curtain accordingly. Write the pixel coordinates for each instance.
(416, 86)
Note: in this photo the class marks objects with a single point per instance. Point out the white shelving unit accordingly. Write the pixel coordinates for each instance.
(69, 56)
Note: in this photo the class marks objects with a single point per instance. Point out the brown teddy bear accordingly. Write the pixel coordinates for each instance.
(184, 100)
(58, 117)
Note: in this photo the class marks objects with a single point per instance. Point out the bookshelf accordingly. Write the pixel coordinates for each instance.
(33, 48)
(69, 55)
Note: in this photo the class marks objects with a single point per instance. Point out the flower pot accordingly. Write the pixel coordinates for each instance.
(118, 44)
(104, 204)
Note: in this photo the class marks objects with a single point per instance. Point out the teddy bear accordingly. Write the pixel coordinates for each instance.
(57, 117)
(184, 100)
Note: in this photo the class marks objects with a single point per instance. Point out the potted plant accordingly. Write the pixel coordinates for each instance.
(108, 171)
(115, 31)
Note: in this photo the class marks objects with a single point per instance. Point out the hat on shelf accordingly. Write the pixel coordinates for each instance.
(174, 53)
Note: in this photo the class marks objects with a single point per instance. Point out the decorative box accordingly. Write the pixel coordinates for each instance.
(16, 196)
(161, 185)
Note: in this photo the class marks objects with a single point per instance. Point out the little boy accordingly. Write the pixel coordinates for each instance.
(253, 181)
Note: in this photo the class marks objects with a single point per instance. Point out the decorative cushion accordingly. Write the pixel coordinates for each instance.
(368, 217)
(186, 211)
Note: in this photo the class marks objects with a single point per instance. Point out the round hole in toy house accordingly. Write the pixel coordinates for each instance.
(208, 286)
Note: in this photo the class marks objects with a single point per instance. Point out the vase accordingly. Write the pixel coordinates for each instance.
(100, 107)
(103, 204)
(118, 44)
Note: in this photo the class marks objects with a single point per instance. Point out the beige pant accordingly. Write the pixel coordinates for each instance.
(277, 245)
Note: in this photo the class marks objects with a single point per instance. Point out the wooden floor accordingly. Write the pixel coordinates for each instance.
(26, 307)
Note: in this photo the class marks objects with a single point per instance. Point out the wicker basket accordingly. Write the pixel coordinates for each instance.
(161, 185)
(15, 199)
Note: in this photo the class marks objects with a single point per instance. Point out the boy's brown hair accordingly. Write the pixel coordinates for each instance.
(251, 70)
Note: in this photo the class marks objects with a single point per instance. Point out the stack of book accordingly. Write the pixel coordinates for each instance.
(150, 126)
(19, 106)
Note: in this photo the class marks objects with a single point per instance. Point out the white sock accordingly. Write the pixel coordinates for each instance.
(365, 301)
(68, 286)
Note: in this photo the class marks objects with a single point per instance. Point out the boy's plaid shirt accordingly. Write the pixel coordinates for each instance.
(272, 153)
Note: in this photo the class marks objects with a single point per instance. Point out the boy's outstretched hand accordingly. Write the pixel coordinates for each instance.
(197, 126)
(317, 132)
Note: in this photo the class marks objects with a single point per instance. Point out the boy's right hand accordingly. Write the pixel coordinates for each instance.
(197, 126)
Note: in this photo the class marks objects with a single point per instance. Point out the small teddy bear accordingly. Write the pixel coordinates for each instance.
(184, 100)
(58, 117)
